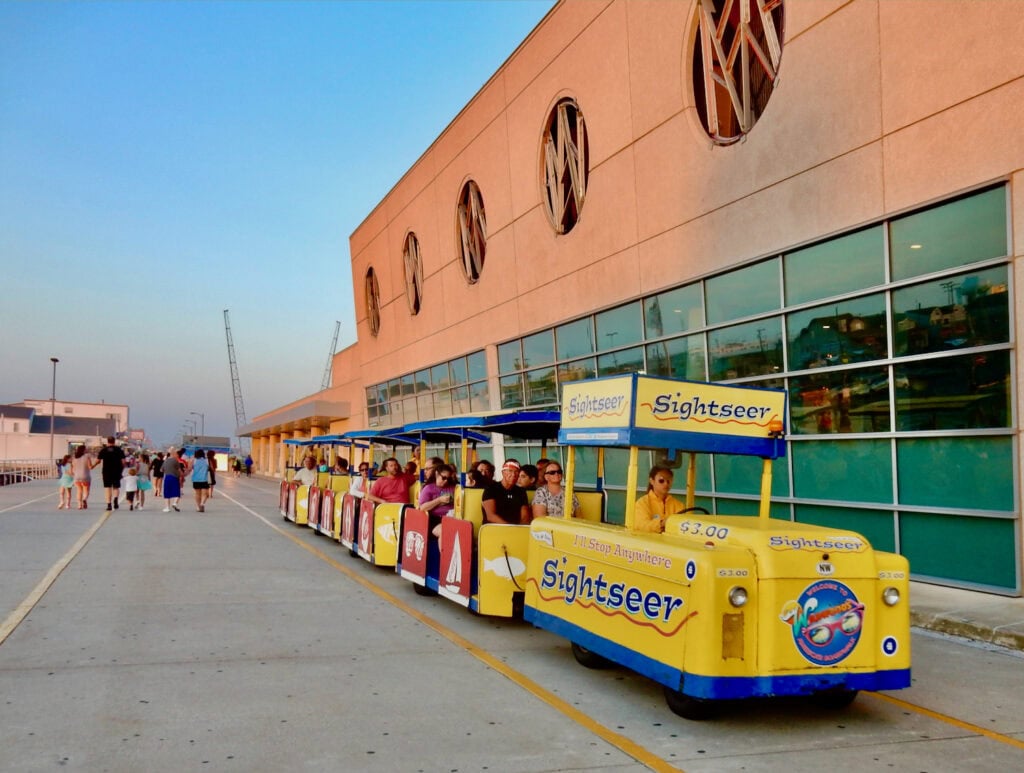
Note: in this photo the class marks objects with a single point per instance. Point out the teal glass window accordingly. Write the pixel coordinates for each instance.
(479, 397)
(742, 475)
(425, 407)
(675, 311)
(944, 546)
(844, 265)
(394, 388)
(575, 339)
(623, 361)
(577, 370)
(877, 526)
(849, 471)
(511, 391)
(967, 392)
(682, 357)
(408, 385)
(956, 472)
(422, 379)
(750, 349)
(397, 414)
(442, 403)
(440, 376)
(953, 313)
(837, 334)
(477, 363)
(510, 356)
(538, 349)
(460, 400)
(620, 326)
(740, 293)
(728, 506)
(949, 235)
(830, 402)
(540, 387)
(458, 370)
(409, 408)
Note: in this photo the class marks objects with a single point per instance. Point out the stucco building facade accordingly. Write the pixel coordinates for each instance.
(813, 195)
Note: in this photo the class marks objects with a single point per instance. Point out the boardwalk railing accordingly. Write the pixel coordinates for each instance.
(23, 470)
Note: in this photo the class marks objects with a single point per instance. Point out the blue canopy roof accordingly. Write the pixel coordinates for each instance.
(387, 436)
(524, 424)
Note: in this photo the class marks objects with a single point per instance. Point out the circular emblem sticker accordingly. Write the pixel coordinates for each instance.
(691, 570)
(890, 645)
(826, 622)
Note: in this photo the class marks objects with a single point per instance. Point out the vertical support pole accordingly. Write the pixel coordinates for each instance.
(766, 490)
(631, 478)
(569, 480)
(691, 481)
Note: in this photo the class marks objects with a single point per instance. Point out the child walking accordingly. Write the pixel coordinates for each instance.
(67, 482)
(130, 484)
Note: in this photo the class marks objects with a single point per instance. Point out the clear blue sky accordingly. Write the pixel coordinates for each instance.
(163, 161)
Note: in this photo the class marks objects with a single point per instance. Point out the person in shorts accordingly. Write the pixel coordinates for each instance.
(112, 459)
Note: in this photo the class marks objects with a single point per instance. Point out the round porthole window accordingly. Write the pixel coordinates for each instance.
(736, 59)
(565, 161)
(471, 231)
(413, 273)
(371, 292)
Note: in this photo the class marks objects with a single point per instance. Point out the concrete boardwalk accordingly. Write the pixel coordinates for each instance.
(233, 640)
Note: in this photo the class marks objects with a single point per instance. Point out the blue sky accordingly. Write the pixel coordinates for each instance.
(163, 161)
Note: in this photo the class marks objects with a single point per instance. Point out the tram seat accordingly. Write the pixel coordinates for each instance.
(592, 505)
(414, 492)
(471, 507)
(339, 483)
(323, 479)
(529, 495)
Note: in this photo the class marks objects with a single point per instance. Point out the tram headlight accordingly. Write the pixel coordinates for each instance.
(737, 596)
(891, 596)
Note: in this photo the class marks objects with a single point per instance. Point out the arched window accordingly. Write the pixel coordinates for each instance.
(471, 226)
(565, 165)
(371, 291)
(413, 266)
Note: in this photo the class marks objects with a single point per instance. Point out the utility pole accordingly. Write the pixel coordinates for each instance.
(236, 386)
(53, 402)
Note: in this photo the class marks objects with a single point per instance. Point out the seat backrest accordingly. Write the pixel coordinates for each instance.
(471, 506)
(340, 483)
(592, 505)
(323, 479)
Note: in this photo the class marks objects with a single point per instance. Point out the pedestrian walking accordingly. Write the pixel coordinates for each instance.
(145, 481)
(211, 459)
(66, 483)
(156, 473)
(173, 470)
(112, 458)
(82, 464)
(201, 479)
(248, 466)
(130, 484)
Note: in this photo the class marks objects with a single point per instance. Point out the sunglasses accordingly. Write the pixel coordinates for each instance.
(552, 472)
(446, 478)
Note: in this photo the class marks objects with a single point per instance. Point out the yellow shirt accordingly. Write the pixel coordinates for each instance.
(650, 512)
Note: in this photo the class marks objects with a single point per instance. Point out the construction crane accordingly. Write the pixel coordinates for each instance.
(326, 382)
(236, 385)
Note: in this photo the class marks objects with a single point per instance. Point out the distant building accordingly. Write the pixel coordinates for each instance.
(25, 427)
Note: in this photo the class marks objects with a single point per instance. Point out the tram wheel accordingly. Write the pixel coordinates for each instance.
(688, 707)
(423, 590)
(589, 659)
(835, 699)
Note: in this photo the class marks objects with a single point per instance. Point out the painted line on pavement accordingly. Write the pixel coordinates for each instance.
(32, 599)
(948, 719)
(26, 502)
(621, 742)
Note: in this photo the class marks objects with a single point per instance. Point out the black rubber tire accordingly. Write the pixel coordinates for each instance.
(589, 659)
(834, 699)
(423, 590)
(688, 707)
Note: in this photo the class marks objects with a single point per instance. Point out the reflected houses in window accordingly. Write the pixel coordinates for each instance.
(742, 351)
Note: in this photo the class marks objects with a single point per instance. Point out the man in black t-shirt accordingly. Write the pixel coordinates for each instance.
(112, 458)
(503, 500)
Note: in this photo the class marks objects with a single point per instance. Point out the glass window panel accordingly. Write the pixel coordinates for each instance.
(877, 526)
(965, 472)
(838, 334)
(973, 228)
(425, 407)
(944, 545)
(586, 466)
(511, 391)
(616, 467)
(616, 510)
(408, 386)
(397, 415)
(619, 327)
(442, 403)
(540, 387)
(751, 349)
(477, 363)
(479, 397)
(726, 506)
(460, 400)
(510, 356)
(422, 381)
(458, 370)
(394, 388)
(371, 396)
(624, 361)
(538, 349)
(840, 401)
(966, 310)
(382, 394)
(736, 474)
(577, 370)
(741, 293)
(851, 470)
(675, 311)
(678, 358)
(409, 408)
(968, 392)
(575, 338)
(371, 415)
(439, 375)
(837, 266)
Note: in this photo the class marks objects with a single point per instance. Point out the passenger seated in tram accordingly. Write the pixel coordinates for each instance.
(410, 472)
(527, 477)
(430, 467)
(485, 471)
(504, 501)
(306, 475)
(340, 466)
(550, 496)
(392, 486)
(361, 482)
(657, 504)
(438, 496)
(475, 480)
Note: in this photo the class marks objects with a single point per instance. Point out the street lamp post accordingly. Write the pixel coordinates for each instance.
(202, 422)
(53, 402)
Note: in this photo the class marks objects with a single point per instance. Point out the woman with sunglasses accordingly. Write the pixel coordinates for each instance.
(549, 498)
(360, 483)
(438, 496)
(657, 504)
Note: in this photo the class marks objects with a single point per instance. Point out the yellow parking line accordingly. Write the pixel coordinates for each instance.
(633, 749)
(22, 610)
(948, 719)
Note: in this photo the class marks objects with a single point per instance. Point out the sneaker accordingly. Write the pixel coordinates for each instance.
(202, 509)
(176, 509)
(131, 507)
(108, 506)
(167, 509)
(115, 503)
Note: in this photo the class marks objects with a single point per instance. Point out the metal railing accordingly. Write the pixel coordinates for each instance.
(25, 470)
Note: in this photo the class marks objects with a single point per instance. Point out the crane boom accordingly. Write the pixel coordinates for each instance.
(236, 386)
(326, 382)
